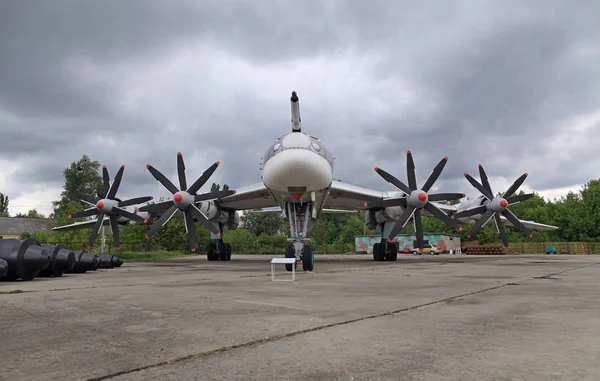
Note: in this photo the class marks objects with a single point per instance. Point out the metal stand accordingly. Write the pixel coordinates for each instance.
(283, 261)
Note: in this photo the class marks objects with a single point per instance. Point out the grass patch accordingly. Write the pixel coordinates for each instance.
(11, 292)
(150, 256)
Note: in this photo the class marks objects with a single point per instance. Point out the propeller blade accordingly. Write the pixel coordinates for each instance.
(519, 198)
(137, 200)
(471, 212)
(83, 197)
(105, 181)
(114, 226)
(203, 220)
(112, 192)
(501, 230)
(181, 172)
(385, 203)
(410, 170)
(446, 196)
(84, 213)
(213, 195)
(162, 220)
(419, 229)
(189, 227)
(162, 179)
(485, 182)
(511, 190)
(203, 178)
(400, 222)
(436, 212)
(434, 175)
(515, 221)
(481, 222)
(393, 180)
(128, 214)
(479, 187)
(95, 230)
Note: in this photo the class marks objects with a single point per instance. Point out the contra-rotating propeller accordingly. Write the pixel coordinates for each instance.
(108, 206)
(184, 199)
(494, 206)
(416, 199)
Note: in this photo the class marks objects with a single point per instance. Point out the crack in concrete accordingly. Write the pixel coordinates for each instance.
(265, 340)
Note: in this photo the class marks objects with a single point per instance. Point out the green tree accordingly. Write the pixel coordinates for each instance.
(3, 205)
(82, 176)
(32, 213)
(269, 223)
(217, 187)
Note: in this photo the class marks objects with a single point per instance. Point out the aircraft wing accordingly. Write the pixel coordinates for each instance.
(252, 196)
(529, 224)
(81, 225)
(351, 196)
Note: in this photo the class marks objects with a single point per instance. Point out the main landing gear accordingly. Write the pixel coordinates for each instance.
(298, 216)
(218, 250)
(385, 251)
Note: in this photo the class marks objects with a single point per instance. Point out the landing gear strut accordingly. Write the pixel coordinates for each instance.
(298, 216)
(218, 250)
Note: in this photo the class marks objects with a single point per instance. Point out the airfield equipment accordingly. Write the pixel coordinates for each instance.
(61, 260)
(107, 261)
(84, 262)
(3, 268)
(25, 258)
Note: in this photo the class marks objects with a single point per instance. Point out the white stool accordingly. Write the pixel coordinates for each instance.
(284, 261)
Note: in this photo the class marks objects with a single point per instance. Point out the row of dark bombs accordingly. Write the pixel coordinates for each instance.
(27, 259)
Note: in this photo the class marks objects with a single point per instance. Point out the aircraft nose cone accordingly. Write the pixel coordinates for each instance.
(503, 203)
(178, 197)
(422, 196)
(99, 205)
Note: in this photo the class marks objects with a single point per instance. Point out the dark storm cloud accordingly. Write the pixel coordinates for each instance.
(135, 82)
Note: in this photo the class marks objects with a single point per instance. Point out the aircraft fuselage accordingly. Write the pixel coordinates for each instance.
(298, 169)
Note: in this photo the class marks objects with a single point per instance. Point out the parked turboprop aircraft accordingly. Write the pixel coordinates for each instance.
(298, 178)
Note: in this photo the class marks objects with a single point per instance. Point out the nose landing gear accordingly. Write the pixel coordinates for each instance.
(298, 215)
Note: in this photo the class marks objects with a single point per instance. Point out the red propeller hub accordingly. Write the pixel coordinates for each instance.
(297, 196)
(422, 196)
(503, 203)
(99, 205)
(178, 197)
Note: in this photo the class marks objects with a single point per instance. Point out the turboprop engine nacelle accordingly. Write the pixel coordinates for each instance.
(392, 213)
(126, 221)
(230, 219)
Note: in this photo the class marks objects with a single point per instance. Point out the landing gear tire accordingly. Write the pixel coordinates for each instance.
(290, 252)
(393, 256)
(380, 253)
(308, 258)
(375, 250)
(210, 254)
(225, 254)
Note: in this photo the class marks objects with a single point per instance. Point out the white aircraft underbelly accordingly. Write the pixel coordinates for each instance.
(295, 168)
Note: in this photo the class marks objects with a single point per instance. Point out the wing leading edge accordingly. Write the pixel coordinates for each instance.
(347, 195)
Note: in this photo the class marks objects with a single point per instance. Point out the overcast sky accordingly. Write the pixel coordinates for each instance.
(514, 85)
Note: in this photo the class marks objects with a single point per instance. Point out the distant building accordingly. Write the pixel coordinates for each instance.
(446, 242)
(13, 227)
